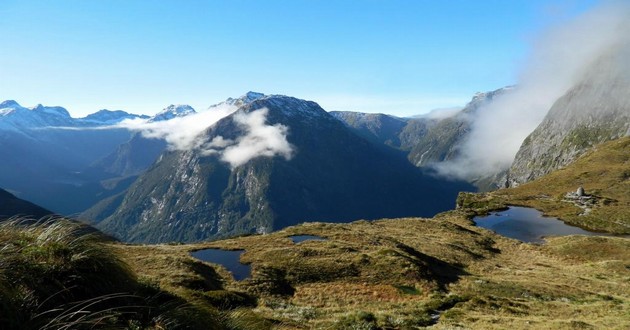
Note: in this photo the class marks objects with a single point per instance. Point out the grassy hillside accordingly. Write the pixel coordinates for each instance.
(604, 172)
(404, 274)
(409, 273)
(58, 274)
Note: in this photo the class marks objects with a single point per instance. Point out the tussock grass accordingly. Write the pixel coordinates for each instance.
(59, 274)
(54, 270)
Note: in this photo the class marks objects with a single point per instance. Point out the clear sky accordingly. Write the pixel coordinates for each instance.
(401, 57)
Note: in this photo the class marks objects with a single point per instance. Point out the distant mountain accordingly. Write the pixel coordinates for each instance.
(129, 158)
(44, 150)
(15, 117)
(110, 117)
(594, 110)
(68, 164)
(173, 111)
(334, 175)
(136, 155)
(12, 206)
(443, 140)
(376, 127)
(426, 140)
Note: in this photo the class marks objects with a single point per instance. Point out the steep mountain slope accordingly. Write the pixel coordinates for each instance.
(12, 206)
(334, 174)
(376, 127)
(442, 140)
(130, 158)
(595, 110)
(426, 140)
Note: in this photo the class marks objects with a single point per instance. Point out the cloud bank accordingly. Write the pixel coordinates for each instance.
(559, 59)
(186, 133)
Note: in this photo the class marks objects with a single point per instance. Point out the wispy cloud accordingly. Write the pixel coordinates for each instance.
(559, 60)
(260, 140)
(181, 133)
(187, 133)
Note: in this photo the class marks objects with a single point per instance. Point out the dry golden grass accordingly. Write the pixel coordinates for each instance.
(397, 273)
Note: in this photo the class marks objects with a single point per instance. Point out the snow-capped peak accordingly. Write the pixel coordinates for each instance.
(249, 97)
(110, 117)
(52, 111)
(9, 104)
(172, 111)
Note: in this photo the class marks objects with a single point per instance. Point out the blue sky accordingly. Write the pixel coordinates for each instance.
(402, 57)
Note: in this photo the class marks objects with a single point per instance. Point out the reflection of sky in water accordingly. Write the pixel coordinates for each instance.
(302, 238)
(527, 224)
(228, 259)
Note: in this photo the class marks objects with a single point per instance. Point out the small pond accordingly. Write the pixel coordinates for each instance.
(528, 225)
(226, 258)
(301, 238)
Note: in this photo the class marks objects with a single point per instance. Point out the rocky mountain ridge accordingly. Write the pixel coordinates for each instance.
(333, 174)
(595, 110)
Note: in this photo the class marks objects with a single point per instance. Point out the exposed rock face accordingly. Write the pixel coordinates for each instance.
(594, 111)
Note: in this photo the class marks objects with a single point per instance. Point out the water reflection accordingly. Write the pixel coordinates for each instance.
(228, 259)
(528, 225)
(302, 238)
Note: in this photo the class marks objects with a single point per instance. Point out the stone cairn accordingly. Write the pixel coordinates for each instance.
(581, 199)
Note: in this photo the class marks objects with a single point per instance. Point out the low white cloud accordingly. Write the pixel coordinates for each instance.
(559, 60)
(260, 139)
(186, 133)
(181, 133)
(441, 113)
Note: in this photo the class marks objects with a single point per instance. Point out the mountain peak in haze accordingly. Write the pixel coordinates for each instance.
(54, 111)
(9, 104)
(111, 116)
(173, 111)
(249, 97)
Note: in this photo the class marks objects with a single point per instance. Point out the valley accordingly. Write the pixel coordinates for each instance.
(401, 165)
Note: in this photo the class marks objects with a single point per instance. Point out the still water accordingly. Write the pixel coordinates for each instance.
(302, 238)
(528, 225)
(228, 259)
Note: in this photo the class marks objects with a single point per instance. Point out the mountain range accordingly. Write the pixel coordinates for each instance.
(425, 140)
(338, 166)
(333, 174)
